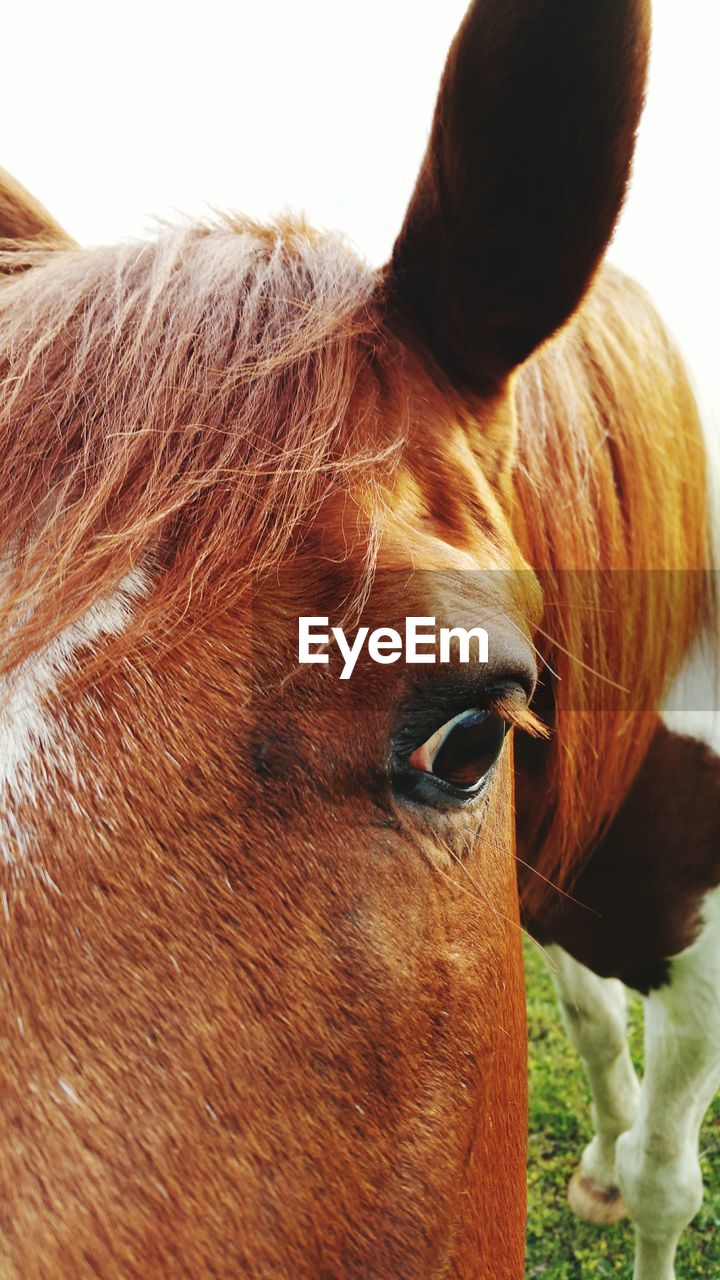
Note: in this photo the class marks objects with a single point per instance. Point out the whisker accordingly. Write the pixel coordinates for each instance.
(579, 662)
(551, 884)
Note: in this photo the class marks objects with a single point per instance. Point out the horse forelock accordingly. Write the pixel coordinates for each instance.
(188, 402)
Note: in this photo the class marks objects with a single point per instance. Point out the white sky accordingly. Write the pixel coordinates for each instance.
(116, 112)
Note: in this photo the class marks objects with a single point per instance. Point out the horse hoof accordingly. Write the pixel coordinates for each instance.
(593, 1202)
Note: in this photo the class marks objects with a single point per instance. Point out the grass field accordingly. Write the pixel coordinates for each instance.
(560, 1246)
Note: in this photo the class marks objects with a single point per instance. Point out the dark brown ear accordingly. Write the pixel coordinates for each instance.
(23, 218)
(523, 179)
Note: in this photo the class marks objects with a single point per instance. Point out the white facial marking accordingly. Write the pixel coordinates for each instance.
(28, 732)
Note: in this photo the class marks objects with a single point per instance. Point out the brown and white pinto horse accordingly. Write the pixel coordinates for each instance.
(262, 991)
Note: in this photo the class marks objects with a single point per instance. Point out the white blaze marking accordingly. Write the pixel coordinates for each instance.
(26, 725)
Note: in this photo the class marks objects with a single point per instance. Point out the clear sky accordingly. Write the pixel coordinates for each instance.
(116, 112)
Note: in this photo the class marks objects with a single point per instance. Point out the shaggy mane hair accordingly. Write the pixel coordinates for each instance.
(195, 397)
(611, 497)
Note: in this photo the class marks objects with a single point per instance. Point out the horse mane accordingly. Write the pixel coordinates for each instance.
(189, 399)
(611, 510)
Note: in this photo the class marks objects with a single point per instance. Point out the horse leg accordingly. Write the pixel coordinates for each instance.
(657, 1159)
(593, 1010)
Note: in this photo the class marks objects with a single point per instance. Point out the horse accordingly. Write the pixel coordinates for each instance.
(263, 1005)
(638, 905)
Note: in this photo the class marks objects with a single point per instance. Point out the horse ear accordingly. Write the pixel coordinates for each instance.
(523, 179)
(24, 219)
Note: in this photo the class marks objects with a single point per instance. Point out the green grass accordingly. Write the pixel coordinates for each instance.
(560, 1246)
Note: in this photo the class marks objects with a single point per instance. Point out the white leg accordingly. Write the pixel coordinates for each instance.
(657, 1160)
(593, 1011)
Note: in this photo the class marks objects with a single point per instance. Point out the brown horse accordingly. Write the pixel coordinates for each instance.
(262, 992)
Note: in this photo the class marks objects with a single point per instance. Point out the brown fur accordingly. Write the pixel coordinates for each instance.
(262, 1019)
(273, 1027)
(222, 365)
(266, 1007)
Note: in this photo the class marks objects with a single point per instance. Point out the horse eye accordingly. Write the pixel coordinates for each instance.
(463, 751)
